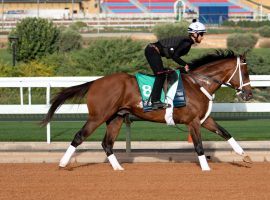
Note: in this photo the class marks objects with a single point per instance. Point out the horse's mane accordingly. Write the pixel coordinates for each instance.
(211, 57)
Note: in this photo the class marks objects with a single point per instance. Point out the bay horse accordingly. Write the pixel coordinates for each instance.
(109, 96)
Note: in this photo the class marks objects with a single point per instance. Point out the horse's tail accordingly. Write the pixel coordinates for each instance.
(74, 92)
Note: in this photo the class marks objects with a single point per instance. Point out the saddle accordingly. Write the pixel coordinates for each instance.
(173, 82)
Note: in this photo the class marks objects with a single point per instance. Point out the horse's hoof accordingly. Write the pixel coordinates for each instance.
(118, 168)
(67, 168)
(121, 169)
(61, 168)
(247, 159)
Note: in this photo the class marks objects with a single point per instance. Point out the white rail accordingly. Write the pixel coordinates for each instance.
(56, 82)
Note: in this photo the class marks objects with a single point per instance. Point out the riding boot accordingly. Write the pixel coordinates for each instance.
(156, 93)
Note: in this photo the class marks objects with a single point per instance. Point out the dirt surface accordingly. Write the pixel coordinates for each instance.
(210, 40)
(149, 181)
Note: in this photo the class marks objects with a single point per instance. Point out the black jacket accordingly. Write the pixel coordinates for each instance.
(174, 48)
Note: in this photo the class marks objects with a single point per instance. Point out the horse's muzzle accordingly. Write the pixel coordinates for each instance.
(246, 95)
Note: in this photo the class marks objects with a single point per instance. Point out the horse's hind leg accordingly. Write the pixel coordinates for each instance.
(194, 130)
(214, 127)
(113, 127)
(88, 128)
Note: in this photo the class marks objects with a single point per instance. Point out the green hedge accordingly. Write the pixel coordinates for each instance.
(241, 43)
(230, 30)
(108, 56)
(259, 61)
(170, 29)
(246, 24)
(264, 31)
(70, 40)
(81, 63)
(78, 26)
(101, 57)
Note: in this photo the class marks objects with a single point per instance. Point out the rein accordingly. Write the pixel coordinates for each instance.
(238, 67)
(212, 79)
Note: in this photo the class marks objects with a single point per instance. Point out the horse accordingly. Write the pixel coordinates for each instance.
(111, 97)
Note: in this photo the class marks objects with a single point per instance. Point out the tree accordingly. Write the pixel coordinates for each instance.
(36, 37)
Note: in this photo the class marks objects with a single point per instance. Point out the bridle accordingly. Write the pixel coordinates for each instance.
(227, 83)
(238, 67)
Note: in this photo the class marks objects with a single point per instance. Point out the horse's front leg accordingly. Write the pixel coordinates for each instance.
(214, 127)
(194, 130)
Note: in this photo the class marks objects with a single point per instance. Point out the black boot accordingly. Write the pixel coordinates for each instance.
(159, 105)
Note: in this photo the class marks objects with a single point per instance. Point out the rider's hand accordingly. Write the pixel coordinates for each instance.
(186, 68)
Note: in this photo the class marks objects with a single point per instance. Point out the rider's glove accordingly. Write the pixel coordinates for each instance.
(186, 68)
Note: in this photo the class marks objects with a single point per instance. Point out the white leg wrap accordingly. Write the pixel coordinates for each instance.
(65, 159)
(236, 146)
(114, 162)
(203, 163)
(169, 99)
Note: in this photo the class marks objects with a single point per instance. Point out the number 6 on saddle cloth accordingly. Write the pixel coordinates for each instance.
(173, 87)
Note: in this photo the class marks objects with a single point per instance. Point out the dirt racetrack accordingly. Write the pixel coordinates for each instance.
(140, 181)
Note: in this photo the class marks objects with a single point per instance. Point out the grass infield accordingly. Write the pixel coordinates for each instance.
(140, 131)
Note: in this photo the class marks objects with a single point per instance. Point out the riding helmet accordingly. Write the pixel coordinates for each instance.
(196, 27)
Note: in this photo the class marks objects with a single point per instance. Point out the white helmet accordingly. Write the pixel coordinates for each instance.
(196, 27)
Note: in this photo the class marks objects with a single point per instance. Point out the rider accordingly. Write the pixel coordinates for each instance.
(171, 48)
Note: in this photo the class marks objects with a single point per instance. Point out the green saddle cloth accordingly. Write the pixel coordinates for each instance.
(146, 82)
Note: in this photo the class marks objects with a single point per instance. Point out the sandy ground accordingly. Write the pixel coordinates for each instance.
(139, 181)
(210, 40)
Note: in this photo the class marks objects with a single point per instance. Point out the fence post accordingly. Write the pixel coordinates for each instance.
(128, 133)
(48, 127)
(29, 96)
(21, 95)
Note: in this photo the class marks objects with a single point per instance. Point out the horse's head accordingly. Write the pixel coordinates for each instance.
(239, 79)
(223, 67)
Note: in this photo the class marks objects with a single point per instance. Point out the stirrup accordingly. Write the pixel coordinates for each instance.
(159, 105)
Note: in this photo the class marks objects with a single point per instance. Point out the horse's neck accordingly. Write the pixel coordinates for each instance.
(218, 71)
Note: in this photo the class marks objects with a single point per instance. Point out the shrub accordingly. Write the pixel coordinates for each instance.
(77, 26)
(228, 23)
(241, 43)
(88, 62)
(33, 68)
(6, 56)
(36, 37)
(252, 24)
(170, 29)
(225, 95)
(246, 24)
(5, 69)
(64, 64)
(69, 40)
(102, 57)
(258, 62)
(227, 30)
(264, 31)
